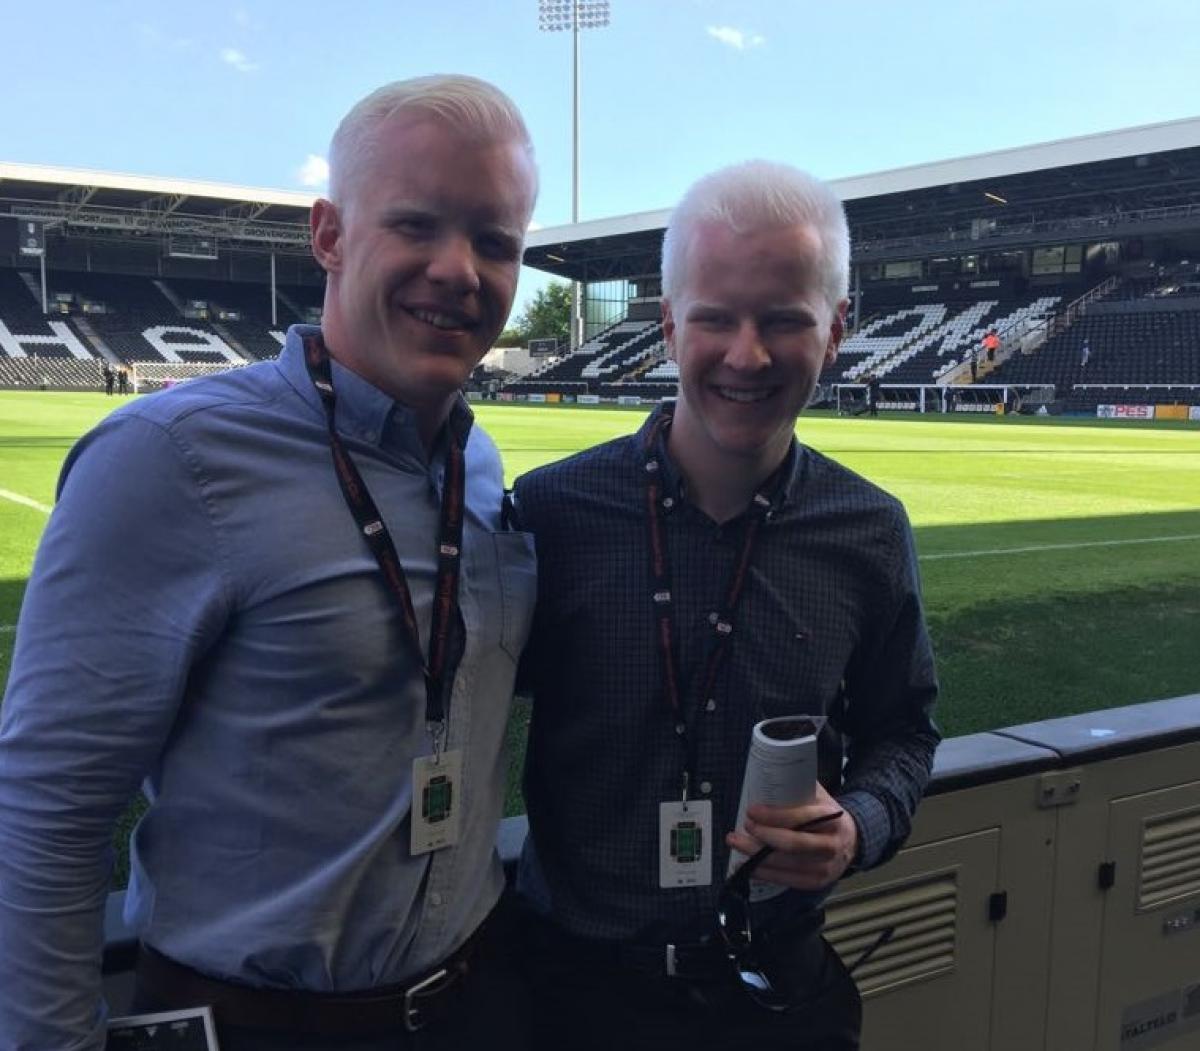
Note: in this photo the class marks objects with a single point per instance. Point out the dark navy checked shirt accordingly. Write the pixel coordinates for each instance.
(832, 598)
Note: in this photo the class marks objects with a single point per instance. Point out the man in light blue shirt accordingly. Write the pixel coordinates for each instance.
(253, 662)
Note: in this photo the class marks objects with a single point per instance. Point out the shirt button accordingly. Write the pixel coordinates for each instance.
(705, 787)
(710, 705)
(435, 899)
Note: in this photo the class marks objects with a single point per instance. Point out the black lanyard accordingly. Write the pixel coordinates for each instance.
(439, 676)
(721, 618)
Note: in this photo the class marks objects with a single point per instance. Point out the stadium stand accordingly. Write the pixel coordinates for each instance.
(166, 329)
(39, 351)
(37, 373)
(908, 342)
(616, 349)
(1029, 242)
(21, 312)
(925, 336)
(135, 319)
(240, 314)
(930, 342)
(1149, 346)
(1096, 237)
(918, 343)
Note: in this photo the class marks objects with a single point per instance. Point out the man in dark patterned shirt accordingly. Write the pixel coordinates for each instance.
(696, 578)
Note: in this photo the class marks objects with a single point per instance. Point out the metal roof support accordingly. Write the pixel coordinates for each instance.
(164, 204)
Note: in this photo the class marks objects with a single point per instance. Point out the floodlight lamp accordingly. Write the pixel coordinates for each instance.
(594, 13)
(560, 15)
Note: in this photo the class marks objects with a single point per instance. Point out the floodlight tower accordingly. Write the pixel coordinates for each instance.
(555, 16)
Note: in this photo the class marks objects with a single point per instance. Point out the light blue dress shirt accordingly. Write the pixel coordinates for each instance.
(204, 619)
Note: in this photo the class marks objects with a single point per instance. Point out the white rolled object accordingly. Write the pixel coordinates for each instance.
(781, 770)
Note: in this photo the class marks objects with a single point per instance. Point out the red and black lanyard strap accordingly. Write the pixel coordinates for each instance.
(662, 597)
(439, 676)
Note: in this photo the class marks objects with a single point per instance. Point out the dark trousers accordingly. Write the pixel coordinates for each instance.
(490, 1010)
(589, 1005)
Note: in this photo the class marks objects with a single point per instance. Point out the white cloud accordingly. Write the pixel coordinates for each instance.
(735, 38)
(231, 56)
(314, 171)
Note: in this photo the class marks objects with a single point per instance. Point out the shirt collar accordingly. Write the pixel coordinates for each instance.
(674, 484)
(363, 410)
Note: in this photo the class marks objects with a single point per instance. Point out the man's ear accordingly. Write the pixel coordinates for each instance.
(668, 323)
(837, 332)
(325, 224)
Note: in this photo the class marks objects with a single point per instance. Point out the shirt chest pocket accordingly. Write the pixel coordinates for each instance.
(516, 568)
(795, 673)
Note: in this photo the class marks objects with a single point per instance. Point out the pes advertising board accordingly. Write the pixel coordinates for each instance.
(1125, 412)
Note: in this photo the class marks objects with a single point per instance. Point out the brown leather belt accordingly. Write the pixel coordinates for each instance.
(406, 1007)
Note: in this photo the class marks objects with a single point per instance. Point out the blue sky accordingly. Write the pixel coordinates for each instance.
(248, 92)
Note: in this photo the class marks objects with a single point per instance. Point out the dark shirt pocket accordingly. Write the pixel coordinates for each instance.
(516, 565)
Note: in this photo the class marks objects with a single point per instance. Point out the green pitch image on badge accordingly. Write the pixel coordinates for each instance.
(436, 799)
(687, 842)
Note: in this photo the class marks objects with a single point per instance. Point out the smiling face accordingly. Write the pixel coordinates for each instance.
(751, 328)
(422, 256)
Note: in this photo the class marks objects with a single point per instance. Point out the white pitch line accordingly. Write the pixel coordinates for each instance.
(1059, 547)
(17, 498)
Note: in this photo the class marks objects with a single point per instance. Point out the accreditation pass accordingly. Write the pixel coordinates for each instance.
(437, 801)
(685, 843)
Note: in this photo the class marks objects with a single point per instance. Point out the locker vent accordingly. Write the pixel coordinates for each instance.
(924, 914)
(1170, 866)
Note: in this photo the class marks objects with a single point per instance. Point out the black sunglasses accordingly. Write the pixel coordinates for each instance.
(737, 934)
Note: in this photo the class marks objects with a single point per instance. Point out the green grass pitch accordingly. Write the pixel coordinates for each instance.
(1060, 558)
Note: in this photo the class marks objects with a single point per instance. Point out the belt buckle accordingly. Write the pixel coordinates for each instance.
(412, 1011)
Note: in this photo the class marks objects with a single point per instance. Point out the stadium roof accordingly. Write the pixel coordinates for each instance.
(886, 209)
(116, 204)
(560, 249)
(40, 182)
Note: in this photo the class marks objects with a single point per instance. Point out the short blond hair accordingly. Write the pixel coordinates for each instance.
(473, 107)
(758, 195)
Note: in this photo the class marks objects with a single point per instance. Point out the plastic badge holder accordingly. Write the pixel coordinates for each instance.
(781, 770)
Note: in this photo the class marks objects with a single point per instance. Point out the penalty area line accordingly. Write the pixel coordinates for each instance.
(1058, 547)
(17, 498)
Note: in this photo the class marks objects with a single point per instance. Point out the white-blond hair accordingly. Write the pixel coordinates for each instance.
(474, 108)
(758, 195)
